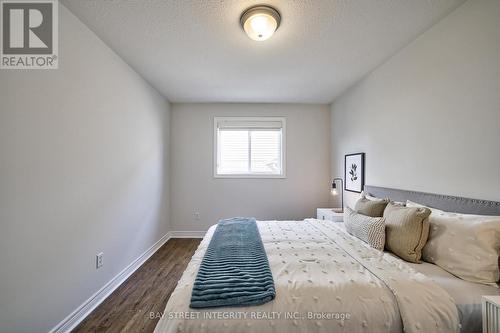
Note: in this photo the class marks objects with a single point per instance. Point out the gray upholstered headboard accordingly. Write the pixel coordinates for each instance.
(444, 202)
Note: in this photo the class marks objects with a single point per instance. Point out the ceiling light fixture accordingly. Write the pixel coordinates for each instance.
(260, 22)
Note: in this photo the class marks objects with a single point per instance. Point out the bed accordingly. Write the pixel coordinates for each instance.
(329, 281)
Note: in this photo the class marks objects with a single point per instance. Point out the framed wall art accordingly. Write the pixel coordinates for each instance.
(354, 169)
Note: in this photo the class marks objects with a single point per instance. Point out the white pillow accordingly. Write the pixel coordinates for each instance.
(370, 197)
(467, 246)
(369, 229)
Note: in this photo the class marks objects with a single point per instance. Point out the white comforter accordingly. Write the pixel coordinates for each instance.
(326, 281)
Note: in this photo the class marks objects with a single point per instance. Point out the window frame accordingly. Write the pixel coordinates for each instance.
(250, 175)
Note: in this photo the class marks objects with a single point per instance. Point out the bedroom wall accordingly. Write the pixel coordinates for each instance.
(194, 189)
(84, 152)
(428, 119)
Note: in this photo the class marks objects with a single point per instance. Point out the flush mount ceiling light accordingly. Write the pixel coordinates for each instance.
(260, 22)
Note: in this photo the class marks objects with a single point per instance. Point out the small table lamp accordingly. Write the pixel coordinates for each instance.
(335, 192)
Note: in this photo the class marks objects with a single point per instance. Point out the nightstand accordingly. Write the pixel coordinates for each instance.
(329, 214)
(491, 314)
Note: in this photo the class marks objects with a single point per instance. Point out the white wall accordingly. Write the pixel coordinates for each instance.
(83, 152)
(429, 118)
(194, 189)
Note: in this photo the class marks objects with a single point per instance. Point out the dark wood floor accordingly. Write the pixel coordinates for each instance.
(147, 290)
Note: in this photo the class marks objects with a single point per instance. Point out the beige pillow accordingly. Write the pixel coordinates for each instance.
(373, 208)
(406, 231)
(467, 246)
(370, 230)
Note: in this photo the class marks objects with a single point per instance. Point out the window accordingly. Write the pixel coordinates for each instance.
(249, 147)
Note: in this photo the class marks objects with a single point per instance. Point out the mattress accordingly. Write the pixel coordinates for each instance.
(326, 281)
(467, 295)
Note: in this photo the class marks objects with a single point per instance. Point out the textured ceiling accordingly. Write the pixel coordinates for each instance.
(195, 50)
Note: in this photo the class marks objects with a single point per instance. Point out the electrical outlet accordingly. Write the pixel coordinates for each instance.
(197, 216)
(98, 260)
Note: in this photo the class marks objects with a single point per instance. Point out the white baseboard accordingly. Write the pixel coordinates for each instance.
(188, 234)
(89, 305)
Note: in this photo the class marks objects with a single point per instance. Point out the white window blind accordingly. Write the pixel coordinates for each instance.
(249, 147)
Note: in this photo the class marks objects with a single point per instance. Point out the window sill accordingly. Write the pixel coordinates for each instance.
(250, 176)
